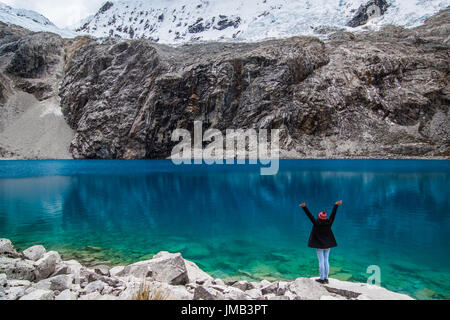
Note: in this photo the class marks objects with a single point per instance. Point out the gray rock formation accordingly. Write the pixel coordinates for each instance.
(31, 122)
(374, 8)
(164, 278)
(7, 249)
(34, 253)
(371, 94)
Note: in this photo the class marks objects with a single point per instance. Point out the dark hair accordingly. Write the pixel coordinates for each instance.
(323, 221)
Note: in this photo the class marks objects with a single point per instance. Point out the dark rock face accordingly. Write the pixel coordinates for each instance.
(374, 8)
(108, 5)
(136, 93)
(9, 34)
(36, 55)
(227, 22)
(381, 94)
(32, 61)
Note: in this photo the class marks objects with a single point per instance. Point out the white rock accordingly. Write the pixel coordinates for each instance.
(15, 293)
(67, 295)
(308, 289)
(169, 268)
(170, 292)
(263, 283)
(107, 290)
(271, 288)
(115, 271)
(91, 296)
(46, 265)
(283, 286)
(39, 295)
(164, 267)
(195, 273)
(22, 270)
(180, 293)
(243, 285)
(102, 270)
(34, 253)
(290, 295)
(218, 287)
(73, 267)
(369, 291)
(254, 293)
(205, 293)
(132, 287)
(219, 282)
(61, 282)
(96, 286)
(19, 283)
(3, 280)
(232, 293)
(140, 270)
(7, 248)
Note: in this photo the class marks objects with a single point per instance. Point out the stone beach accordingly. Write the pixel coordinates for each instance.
(38, 274)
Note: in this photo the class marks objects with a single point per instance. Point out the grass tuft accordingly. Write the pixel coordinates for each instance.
(146, 293)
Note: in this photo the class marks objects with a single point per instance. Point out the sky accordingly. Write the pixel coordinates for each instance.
(61, 12)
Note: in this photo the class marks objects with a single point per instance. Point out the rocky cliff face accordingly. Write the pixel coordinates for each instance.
(374, 94)
(31, 122)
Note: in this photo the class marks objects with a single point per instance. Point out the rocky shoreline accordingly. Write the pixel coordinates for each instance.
(38, 274)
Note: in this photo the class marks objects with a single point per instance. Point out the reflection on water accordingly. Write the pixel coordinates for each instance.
(234, 222)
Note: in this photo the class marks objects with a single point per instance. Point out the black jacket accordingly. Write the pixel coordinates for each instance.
(321, 235)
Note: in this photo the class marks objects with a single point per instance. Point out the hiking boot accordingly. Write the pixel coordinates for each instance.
(320, 281)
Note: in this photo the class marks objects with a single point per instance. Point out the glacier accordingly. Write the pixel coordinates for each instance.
(180, 21)
(31, 20)
(183, 21)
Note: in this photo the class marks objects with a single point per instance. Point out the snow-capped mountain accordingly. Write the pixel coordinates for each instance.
(31, 20)
(178, 21)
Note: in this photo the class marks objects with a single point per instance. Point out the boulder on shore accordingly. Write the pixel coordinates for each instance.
(34, 253)
(7, 249)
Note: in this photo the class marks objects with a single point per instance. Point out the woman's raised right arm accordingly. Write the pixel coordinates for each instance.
(310, 216)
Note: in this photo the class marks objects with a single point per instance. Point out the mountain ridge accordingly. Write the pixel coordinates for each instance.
(181, 21)
(31, 20)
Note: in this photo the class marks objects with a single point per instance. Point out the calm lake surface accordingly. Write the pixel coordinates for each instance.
(233, 222)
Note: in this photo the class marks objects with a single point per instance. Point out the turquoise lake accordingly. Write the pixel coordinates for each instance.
(235, 223)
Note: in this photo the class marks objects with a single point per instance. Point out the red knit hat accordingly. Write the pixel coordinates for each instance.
(323, 215)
